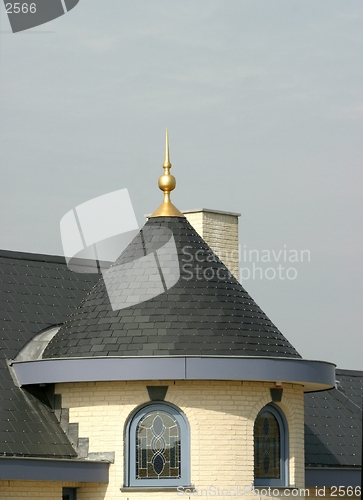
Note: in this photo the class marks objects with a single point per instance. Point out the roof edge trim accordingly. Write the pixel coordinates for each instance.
(313, 375)
(335, 476)
(41, 469)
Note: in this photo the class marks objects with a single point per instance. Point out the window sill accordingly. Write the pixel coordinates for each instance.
(273, 486)
(156, 488)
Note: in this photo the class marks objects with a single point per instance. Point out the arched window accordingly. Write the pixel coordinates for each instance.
(271, 447)
(158, 448)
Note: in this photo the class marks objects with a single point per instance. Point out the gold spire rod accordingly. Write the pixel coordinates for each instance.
(167, 163)
(167, 183)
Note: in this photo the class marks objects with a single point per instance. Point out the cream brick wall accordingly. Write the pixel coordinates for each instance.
(32, 490)
(220, 232)
(221, 416)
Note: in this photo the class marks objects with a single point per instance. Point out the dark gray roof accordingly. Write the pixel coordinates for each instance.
(204, 313)
(36, 291)
(333, 423)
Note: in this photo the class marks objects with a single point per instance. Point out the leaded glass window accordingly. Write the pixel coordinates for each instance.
(267, 446)
(158, 448)
(270, 447)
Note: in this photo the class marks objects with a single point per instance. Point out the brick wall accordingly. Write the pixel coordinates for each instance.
(32, 490)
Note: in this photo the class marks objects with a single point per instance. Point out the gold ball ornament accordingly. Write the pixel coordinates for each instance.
(167, 182)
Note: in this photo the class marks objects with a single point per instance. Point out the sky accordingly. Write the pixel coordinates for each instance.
(263, 100)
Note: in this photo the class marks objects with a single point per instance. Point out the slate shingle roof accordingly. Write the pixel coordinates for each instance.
(207, 312)
(333, 423)
(36, 291)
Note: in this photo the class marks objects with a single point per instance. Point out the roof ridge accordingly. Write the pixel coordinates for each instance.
(38, 257)
(45, 258)
(352, 373)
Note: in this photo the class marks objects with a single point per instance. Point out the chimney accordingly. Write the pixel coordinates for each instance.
(220, 231)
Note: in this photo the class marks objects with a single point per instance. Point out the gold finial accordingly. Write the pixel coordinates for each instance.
(167, 183)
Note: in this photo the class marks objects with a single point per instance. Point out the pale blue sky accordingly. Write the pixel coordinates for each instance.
(263, 100)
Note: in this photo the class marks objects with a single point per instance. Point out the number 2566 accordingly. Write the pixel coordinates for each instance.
(16, 8)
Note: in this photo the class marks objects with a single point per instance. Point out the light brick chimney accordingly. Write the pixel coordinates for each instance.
(220, 231)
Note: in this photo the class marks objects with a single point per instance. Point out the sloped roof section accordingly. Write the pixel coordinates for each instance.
(206, 312)
(350, 383)
(36, 291)
(333, 423)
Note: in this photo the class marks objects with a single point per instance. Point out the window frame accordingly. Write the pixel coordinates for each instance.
(130, 447)
(283, 480)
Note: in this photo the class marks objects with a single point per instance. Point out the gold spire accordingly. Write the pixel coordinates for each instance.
(167, 183)
(167, 163)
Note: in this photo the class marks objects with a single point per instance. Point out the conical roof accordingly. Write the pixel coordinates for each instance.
(183, 302)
